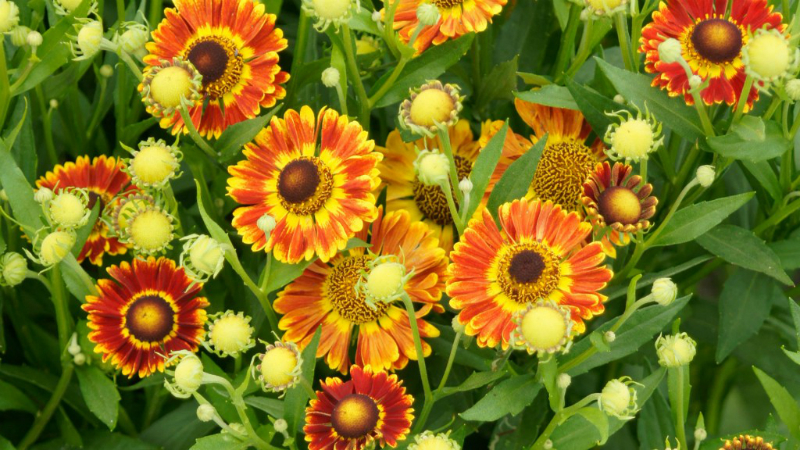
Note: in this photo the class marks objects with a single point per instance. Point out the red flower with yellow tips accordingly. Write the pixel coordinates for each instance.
(234, 44)
(147, 310)
(103, 178)
(314, 176)
(712, 34)
(371, 408)
(537, 254)
(325, 295)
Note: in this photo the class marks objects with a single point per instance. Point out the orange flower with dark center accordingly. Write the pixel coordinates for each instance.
(318, 193)
(149, 309)
(712, 35)
(326, 295)
(234, 44)
(372, 408)
(537, 254)
(103, 178)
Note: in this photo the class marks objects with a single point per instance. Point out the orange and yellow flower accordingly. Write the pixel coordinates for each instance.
(566, 160)
(429, 203)
(458, 17)
(325, 295)
(149, 309)
(371, 408)
(537, 253)
(320, 195)
(618, 204)
(103, 178)
(234, 44)
(712, 34)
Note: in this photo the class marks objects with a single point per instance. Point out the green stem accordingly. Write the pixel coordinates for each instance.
(448, 193)
(44, 417)
(97, 109)
(63, 317)
(777, 217)
(559, 418)
(776, 102)
(5, 94)
(137, 72)
(355, 76)
(47, 124)
(241, 410)
(718, 392)
(423, 370)
(173, 207)
(584, 51)
(187, 121)
(444, 138)
(388, 26)
(568, 40)
(389, 82)
(156, 11)
(680, 419)
(428, 406)
(787, 167)
(793, 130)
(261, 296)
(748, 84)
(621, 24)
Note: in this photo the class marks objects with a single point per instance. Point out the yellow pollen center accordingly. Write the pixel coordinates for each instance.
(431, 200)
(150, 318)
(340, 289)
(633, 139)
(435, 443)
(56, 246)
(277, 366)
(355, 416)
(67, 209)
(230, 334)
(151, 230)
(386, 279)
(431, 106)
(169, 84)
(70, 5)
(127, 210)
(619, 205)
(331, 9)
(543, 327)
(154, 164)
(528, 272)
(561, 172)
(768, 55)
(717, 40)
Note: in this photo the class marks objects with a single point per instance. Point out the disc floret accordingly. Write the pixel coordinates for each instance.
(634, 137)
(229, 334)
(279, 367)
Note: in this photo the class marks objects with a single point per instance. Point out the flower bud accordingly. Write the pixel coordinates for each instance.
(106, 71)
(431, 106)
(700, 434)
(164, 86)
(150, 230)
(19, 35)
(564, 380)
(69, 209)
(695, 81)
(13, 269)
(706, 175)
(79, 359)
(618, 399)
(330, 77)
(189, 374)
(9, 15)
(429, 440)
(376, 16)
(134, 39)
(56, 246)
(329, 12)
(206, 412)
(548, 445)
(465, 185)
(90, 39)
(793, 89)
(281, 426)
(670, 51)
(428, 14)
(206, 256)
(266, 223)
(43, 195)
(53, 103)
(609, 336)
(634, 137)
(432, 168)
(769, 55)
(664, 291)
(619, 99)
(458, 327)
(279, 367)
(34, 38)
(542, 328)
(675, 350)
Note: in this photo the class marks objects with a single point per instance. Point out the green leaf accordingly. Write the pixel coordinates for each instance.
(428, 66)
(534, 79)
(742, 248)
(673, 112)
(19, 192)
(782, 400)
(794, 309)
(693, 221)
(508, 397)
(765, 175)
(222, 441)
(679, 390)
(83, 232)
(78, 282)
(362, 21)
(638, 330)
(183, 419)
(474, 381)
(230, 144)
(100, 394)
(271, 406)
(12, 399)
(594, 106)
(751, 139)
(788, 252)
(598, 419)
(498, 84)
(484, 167)
(744, 304)
(517, 179)
(650, 278)
(549, 95)
(297, 397)
(281, 274)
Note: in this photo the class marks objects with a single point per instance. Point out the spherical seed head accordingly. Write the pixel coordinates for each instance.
(618, 399)
(605, 7)
(675, 350)
(231, 334)
(331, 9)
(429, 440)
(207, 255)
(544, 328)
(189, 374)
(670, 50)
(150, 230)
(13, 269)
(206, 412)
(68, 209)
(9, 16)
(34, 38)
(430, 107)
(768, 55)
(89, 39)
(279, 367)
(386, 280)
(154, 164)
(633, 139)
(56, 246)
(432, 167)
(706, 175)
(170, 84)
(330, 77)
(69, 5)
(664, 291)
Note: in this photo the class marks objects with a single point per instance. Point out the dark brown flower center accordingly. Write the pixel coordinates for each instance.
(340, 287)
(526, 266)
(717, 40)
(528, 272)
(304, 185)
(150, 318)
(447, 3)
(210, 59)
(355, 416)
(431, 200)
(561, 172)
(218, 61)
(94, 197)
(619, 204)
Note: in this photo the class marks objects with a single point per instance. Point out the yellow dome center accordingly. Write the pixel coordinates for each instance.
(67, 209)
(431, 106)
(633, 139)
(604, 5)
(619, 205)
(231, 334)
(169, 85)
(189, 373)
(355, 416)
(56, 246)
(331, 9)
(70, 5)
(340, 289)
(151, 230)
(386, 279)
(544, 327)
(769, 55)
(154, 164)
(277, 366)
(127, 210)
